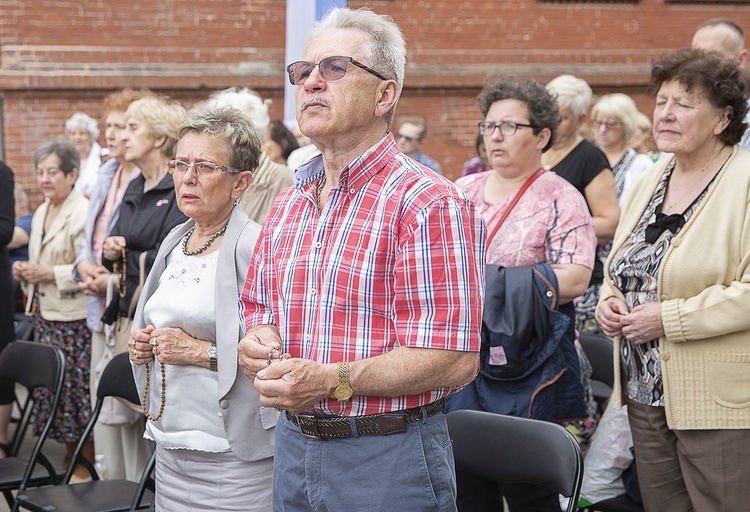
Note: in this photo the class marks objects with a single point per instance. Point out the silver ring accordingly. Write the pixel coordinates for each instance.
(152, 342)
(135, 354)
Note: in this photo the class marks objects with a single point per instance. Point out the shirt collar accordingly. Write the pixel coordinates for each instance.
(358, 172)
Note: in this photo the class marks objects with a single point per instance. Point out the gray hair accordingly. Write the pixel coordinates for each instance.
(386, 52)
(161, 118)
(229, 124)
(620, 106)
(81, 120)
(65, 151)
(246, 101)
(572, 93)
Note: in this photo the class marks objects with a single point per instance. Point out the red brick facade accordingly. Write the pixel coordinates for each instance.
(60, 57)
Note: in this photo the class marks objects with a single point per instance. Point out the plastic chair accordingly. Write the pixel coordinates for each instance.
(32, 365)
(97, 495)
(600, 351)
(517, 450)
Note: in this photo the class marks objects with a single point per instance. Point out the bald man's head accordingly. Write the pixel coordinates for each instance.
(723, 37)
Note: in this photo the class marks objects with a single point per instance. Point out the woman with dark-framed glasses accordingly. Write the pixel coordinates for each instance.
(214, 440)
(541, 234)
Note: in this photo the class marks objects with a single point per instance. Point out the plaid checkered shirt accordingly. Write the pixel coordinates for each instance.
(395, 258)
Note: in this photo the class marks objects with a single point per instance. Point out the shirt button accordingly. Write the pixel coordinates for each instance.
(675, 242)
(664, 297)
(224, 404)
(313, 291)
(665, 356)
(308, 337)
(352, 190)
(318, 245)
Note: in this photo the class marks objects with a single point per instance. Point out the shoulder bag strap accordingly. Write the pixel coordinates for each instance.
(512, 204)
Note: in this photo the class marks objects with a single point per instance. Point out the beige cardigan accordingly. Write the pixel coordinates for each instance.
(61, 300)
(704, 288)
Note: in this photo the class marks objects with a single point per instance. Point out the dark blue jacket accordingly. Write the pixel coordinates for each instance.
(529, 363)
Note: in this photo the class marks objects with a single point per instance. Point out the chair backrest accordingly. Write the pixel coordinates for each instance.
(34, 365)
(600, 351)
(517, 450)
(117, 380)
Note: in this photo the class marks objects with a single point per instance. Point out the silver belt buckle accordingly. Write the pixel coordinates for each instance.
(308, 426)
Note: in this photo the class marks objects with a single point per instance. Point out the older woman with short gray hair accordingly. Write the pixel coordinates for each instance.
(53, 297)
(82, 130)
(214, 440)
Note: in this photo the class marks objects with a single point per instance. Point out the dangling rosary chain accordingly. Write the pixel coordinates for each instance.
(121, 269)
(163, 393)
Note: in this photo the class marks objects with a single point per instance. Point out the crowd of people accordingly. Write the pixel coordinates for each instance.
(301, 311)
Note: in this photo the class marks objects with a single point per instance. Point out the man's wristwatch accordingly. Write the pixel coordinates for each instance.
(212, 353)
(343, 391)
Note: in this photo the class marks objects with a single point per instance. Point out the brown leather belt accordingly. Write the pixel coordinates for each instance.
(338, 427)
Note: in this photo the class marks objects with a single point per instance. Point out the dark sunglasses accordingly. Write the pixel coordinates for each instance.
(331, 68)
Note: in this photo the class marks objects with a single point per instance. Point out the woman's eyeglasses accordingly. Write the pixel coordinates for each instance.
(201, 168)
(331, 68)
(609, 125)
(507, 128)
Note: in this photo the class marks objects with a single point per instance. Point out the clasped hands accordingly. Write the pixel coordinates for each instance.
(283, 382)
(93, 278)
(642, 324)
(34, 273)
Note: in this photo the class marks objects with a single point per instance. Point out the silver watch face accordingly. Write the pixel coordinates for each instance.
(212, 352)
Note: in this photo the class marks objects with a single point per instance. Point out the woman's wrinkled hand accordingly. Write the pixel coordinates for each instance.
(643, 324)
(33, 273)
(140, 346)
(174, 346)
(112, 247)
(609, 314)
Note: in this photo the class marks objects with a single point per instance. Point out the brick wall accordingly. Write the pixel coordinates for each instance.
(57, 57)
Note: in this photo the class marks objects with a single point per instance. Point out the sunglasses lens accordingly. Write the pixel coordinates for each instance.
(333, 68)
(299, 71)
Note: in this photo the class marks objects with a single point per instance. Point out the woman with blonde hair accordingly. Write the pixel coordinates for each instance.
(118, 434)
(585, 167)
(148, 210)
(614, 120)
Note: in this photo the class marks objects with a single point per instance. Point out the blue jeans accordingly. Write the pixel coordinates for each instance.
(411, 470)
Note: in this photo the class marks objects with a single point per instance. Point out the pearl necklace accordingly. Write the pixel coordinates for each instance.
(206, 244)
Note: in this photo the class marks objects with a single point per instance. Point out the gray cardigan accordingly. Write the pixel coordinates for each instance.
(249, 425)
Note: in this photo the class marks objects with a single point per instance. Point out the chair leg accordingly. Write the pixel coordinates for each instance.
(9, 497)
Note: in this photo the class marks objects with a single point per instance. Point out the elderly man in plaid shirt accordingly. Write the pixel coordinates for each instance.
(363, 300)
